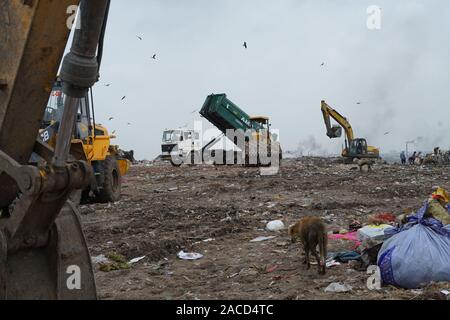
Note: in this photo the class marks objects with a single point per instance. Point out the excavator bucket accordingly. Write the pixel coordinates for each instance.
(60, 270)
(335, 132)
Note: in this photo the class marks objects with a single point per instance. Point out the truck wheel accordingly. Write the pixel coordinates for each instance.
(177, 163)
(112, 181)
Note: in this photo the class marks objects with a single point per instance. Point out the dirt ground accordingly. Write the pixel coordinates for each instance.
(216, 211)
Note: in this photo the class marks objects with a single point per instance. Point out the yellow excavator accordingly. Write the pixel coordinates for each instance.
(43, 252)
(355, 148)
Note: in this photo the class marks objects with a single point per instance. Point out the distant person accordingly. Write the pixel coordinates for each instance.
(412, 159)
(403, 157)
(419, 159)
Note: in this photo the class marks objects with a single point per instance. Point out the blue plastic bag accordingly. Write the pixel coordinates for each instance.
(417, 254)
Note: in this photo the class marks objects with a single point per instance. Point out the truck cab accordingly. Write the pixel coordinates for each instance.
(179, 143)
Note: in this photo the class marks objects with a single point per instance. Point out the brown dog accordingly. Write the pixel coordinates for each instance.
(312, 233)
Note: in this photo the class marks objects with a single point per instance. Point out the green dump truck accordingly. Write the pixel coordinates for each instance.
(226, 115)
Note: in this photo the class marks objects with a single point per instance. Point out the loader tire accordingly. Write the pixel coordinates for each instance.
(112, 181)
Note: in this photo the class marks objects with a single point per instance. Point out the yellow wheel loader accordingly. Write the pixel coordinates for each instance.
(91, 142)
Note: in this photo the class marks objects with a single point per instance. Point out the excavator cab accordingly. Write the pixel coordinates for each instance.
(357, 148)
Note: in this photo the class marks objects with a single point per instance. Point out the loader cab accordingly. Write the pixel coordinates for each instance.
(55, 106)
(84, 127)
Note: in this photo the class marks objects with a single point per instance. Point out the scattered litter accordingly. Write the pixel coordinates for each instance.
(417, 291)
(332, 263)
(271, 269)
(227, 219)
(115, 261)
(99, 259)
(351, 236)
(355, 225)
(233, 275)
(135, 260)
(276, 225)
(209, 240)
(374, 232)
(344, 256)
(446, 294)
(189, 255)
(338, 288)
(382, 218)
(249, 272)
(262, 238)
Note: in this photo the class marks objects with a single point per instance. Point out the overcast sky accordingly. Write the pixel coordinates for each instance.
(399, 73)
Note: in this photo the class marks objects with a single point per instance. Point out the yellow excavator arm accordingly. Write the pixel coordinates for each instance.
(41, 239)
(333, 132)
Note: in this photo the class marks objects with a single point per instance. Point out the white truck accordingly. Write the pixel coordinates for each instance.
(180, 144)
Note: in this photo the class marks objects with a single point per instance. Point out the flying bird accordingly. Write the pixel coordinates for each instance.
(123, 98)
(386, 133)
(129, 123)
(107, 85)
(154, 57)
(113, 132)
(245, 45)
(110, 118)
(140, 38)
(194, 111)
(358, 103)
(323, 63)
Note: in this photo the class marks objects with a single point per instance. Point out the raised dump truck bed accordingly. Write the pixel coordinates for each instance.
(224, 114)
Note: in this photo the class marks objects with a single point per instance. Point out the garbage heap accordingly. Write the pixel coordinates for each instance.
(411, 251)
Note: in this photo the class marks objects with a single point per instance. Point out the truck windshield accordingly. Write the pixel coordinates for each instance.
(171, 136)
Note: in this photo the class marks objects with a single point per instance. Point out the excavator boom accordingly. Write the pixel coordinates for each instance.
(41, 240)
(332, 132)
